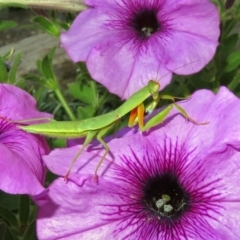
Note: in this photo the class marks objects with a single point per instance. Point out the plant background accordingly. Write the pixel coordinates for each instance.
(67, 91)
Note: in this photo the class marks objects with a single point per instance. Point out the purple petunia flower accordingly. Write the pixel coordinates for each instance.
(22, 168)
(177, 181)
(125, 43)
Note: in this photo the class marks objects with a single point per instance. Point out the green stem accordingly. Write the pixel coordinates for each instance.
(94, 90)
(221, 4)
(64, 104)
(64, 5)
(233, 84)
(24, 209)
(215, 85)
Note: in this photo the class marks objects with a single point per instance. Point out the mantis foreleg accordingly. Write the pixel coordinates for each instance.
(137, 114)
(169, 97)
(183, 112)
(33, 120)
(159, 117)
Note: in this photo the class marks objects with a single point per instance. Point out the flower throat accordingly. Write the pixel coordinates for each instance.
(164, 195)
(145, 22)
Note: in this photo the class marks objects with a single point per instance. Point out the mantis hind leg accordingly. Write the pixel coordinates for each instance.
(90, 136)
(88, 139)
(104, 144)
(103, 157)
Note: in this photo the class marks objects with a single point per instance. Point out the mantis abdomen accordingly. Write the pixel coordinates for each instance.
(56, 129)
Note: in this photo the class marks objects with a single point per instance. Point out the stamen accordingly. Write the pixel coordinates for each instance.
(145, 22)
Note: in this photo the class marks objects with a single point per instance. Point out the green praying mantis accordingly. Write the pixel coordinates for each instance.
(97, 127)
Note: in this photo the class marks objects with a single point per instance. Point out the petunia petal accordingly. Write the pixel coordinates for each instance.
(138, 70)
(120, 55)
(23, 170)
(203, 158)
(93, 29)
(95, 204)
(193, 52)
(204, 106)
(17, 176)
(215, 178)
(104, 37)
(81, 216)
(199, 18)
(20, 104)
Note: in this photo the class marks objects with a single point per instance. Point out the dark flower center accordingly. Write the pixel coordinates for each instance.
(164, 196)
(145, 22)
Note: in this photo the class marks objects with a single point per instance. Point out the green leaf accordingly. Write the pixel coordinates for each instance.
(47, 64)
(8, 55)
(84, 113)
(33, 212)
(7, 5)
(14, 232)
(233, 61)
(39, 65)
(9, 235)
(3, 227)
(59, 143)
(48, 26)
(24, 209)
(196, 81)
(32, 77)
(12, 73)
(30, 233)
(64, 25)
(83, 93)
(230, 42)
(9, 201)
(94, 97)
(49, 79)
(208, 77)
(8, 216)
(228, 27)
(3, 71)
(235, 81)
(7, 24)
(208, 74)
